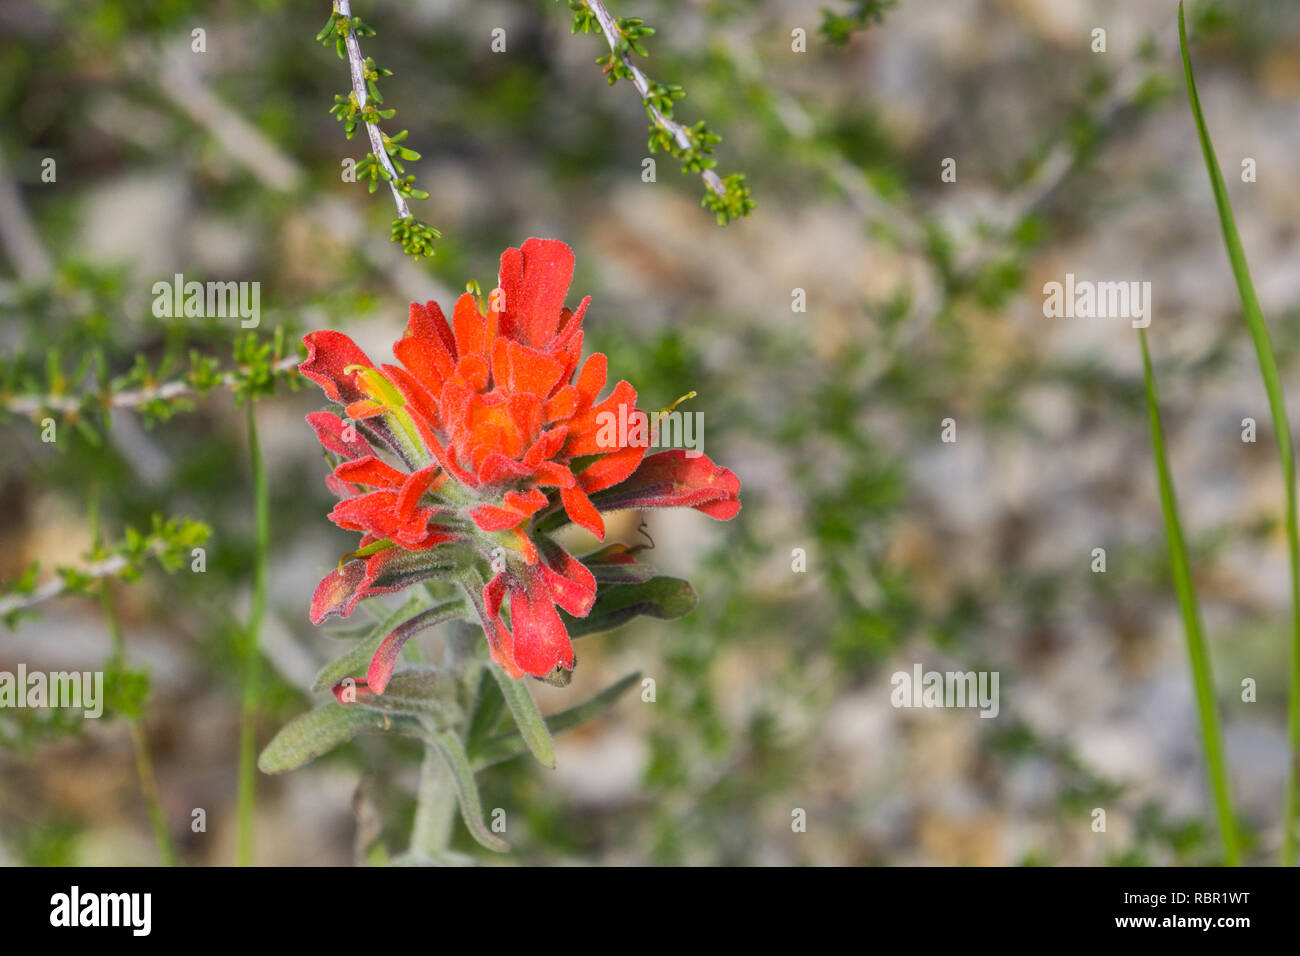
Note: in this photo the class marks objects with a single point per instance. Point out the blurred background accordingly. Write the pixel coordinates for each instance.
(923, 303)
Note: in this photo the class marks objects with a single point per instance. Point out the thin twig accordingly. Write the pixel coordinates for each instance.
(21, 241)
(130, 399)
(247, 146)
(56, 586)
(139, 738)
(358, 65)
(609, 27)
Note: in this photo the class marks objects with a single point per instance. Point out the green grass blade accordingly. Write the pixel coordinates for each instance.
(1277, 406)
(1202, 678)
(246, 805)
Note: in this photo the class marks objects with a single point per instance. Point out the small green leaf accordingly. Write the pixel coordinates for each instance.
(508, 746)
(531, 725)
(420, 692)
(319, 731)
(471, 809)
(356, 660)
(489, 705)
(662, 597)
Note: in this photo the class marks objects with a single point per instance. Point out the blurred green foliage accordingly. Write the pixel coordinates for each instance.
(547, 146)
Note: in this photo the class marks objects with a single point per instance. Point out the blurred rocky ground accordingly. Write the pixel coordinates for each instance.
(924, 302)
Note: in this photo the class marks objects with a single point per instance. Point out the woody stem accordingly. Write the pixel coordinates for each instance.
(357, 65)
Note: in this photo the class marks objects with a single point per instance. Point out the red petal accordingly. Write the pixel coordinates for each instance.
(335, 435)
(615, 554)
(427, 359)
(541, 642)
(518, 506)
(340, 690)
(471, 328)
(572, 585)
(494, 593)
(589, 430)
(592, 378)
(611, 469)
(454, 407)
(570, 326)
(328, 354)
(532, 371)
(487, 604)
(374, 513)
(671, 480)
(341, 489)
(442, 455)
(582, 512)
(370, 471)
(428, 324)
(492, 518)
(382, 573)
(561, 405)
(553, 475)
(419, 399)
(473, 371)
(528, 502)
(546, 447)
(535, 279)
(385, 657)
(497, 468)
(338, 592)
(414, 487)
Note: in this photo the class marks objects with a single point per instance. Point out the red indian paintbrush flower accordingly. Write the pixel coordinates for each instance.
(486, 432)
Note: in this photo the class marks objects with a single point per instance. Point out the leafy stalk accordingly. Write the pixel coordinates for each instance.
(135, 719)
(363, 107)
(1202, 678)
(139, 739)
(727, 198)
(1281, 428)
(532, 726)
(435, 808)
(248, 726)
(511, 745)
(457, 765)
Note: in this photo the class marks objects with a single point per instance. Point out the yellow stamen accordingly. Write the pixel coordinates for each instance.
(373, 547)
(476, 290)
(688, 396)
(386, 396)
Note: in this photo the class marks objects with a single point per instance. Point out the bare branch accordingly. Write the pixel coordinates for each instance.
(270, 166)
(132, 399)
(609, 27)
(358, 65)
(58, 585)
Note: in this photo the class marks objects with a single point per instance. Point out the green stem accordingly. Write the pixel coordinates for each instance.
(437, 800)
(1202, 679)
(251, 654)
(532, 725)
(1254, 317)
(139, 738)
(435, 809)
(149, 788)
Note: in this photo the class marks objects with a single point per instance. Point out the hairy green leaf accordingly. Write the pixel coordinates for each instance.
(662, 597)
(319, 731)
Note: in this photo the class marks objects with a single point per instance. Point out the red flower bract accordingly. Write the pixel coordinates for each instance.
(490, 424)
